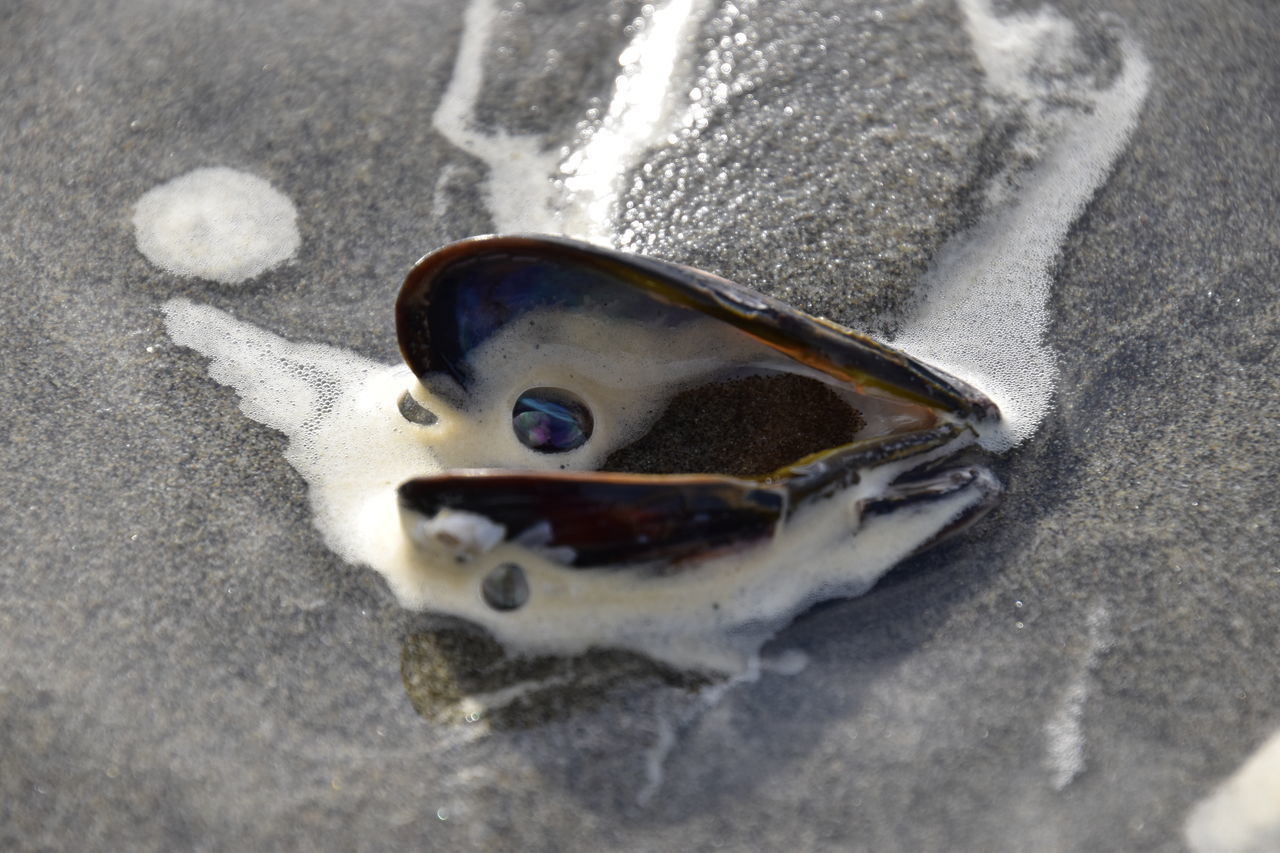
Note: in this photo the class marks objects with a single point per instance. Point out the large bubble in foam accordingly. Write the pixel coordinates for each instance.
(218, 224)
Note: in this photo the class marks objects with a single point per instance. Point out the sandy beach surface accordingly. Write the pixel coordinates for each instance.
(184, 664)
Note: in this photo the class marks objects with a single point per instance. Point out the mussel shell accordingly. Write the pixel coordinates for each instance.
(609, 519)
(458, 296)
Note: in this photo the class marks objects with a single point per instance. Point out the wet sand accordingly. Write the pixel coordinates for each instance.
(186, 665)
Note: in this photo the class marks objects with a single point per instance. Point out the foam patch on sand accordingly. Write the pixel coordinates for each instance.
(1243, 814)
(518, 191)
(218, 224)
(1064, 732)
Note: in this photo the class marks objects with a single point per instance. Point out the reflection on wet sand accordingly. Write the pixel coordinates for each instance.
(460, 675)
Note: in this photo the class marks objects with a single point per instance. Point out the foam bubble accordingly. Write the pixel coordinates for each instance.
(218, 224)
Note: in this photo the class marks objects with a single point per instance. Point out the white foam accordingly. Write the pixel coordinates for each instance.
(624, 373)
(984, 313)
(788, 663)
(216, 223)
(1243, 814)
(707, 698)
(349, 441)
(1064, 732)
(574, 192)
(338, 410)
(639, 116)
(439, 196)
(519, 191)
(479, 705)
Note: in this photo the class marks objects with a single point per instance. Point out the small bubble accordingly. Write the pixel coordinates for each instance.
(442, 814)
(551, 420)
(414, 412)
(505, 587)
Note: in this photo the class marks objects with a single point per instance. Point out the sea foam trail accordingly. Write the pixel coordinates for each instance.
(984, 314)
(1064, 732)
(574, 192)
(640, 115)
(518, 192)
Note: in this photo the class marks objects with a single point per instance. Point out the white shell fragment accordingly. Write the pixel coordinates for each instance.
(457, 534)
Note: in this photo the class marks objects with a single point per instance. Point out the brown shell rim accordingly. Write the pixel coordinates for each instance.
(852, 358)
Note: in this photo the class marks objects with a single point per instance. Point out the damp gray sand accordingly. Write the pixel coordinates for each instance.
(185, 663)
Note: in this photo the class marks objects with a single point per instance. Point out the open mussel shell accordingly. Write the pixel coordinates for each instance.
(460, 297)
(457, 297)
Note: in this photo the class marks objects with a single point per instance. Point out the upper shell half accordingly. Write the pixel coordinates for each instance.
(457, 297)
